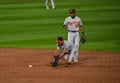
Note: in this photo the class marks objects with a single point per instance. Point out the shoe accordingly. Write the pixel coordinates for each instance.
(47, 7)
(53, 8)
(75, 60)
(68, 64)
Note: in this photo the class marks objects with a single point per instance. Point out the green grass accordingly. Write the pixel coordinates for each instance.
(27, 24)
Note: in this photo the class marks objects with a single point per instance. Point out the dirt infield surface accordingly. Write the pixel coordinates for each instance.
(93, 67)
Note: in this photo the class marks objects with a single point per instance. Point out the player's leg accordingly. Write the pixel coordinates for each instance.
(71, 57)
(70, 37)
(66, 57)
(53, 5)
(77, 40)
(46, 4)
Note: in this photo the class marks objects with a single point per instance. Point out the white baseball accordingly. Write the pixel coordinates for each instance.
(30, 65)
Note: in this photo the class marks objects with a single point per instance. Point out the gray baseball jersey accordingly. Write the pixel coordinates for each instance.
(66, 46)
(73, 23)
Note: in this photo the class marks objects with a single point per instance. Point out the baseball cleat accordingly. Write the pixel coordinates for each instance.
(68, 64)
(76, 61)
(47, 7)
(54, 8)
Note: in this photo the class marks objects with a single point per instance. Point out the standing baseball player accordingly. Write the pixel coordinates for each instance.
(64, 47)
(47, 4)
(72, 24)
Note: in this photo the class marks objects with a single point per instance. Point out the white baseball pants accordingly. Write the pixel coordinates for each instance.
(74, 38)
(52, 3)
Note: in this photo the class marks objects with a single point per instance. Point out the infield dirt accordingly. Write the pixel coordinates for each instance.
(93, 67)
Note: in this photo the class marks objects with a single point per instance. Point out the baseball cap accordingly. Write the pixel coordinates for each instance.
(59, 39)
(72, 11)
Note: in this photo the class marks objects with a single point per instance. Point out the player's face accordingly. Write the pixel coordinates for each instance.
(60, 43)
(72, 14)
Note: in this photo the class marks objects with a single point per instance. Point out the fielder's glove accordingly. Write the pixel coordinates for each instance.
(55, 61)
(83, 39)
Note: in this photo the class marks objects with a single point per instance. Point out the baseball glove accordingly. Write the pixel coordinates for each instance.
(55, 61)
(83, 39)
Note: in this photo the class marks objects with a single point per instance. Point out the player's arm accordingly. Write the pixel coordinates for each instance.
(83, 38)
(65, 23)
(81, 27)
(63, 53)
(82, 30)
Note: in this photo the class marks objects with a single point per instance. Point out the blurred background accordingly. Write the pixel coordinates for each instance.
(28, 24)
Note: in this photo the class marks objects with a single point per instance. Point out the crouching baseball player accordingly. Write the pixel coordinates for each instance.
(65, 47)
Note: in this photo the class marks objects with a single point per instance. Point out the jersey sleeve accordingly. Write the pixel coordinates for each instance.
(65, 22)
(80, 22)
(66, 47)
(58, 48)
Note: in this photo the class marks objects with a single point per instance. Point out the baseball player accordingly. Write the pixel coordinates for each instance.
(65, 47)
(72, 24)
(52, 3)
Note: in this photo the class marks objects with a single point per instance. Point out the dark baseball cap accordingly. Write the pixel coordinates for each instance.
(59, 39)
